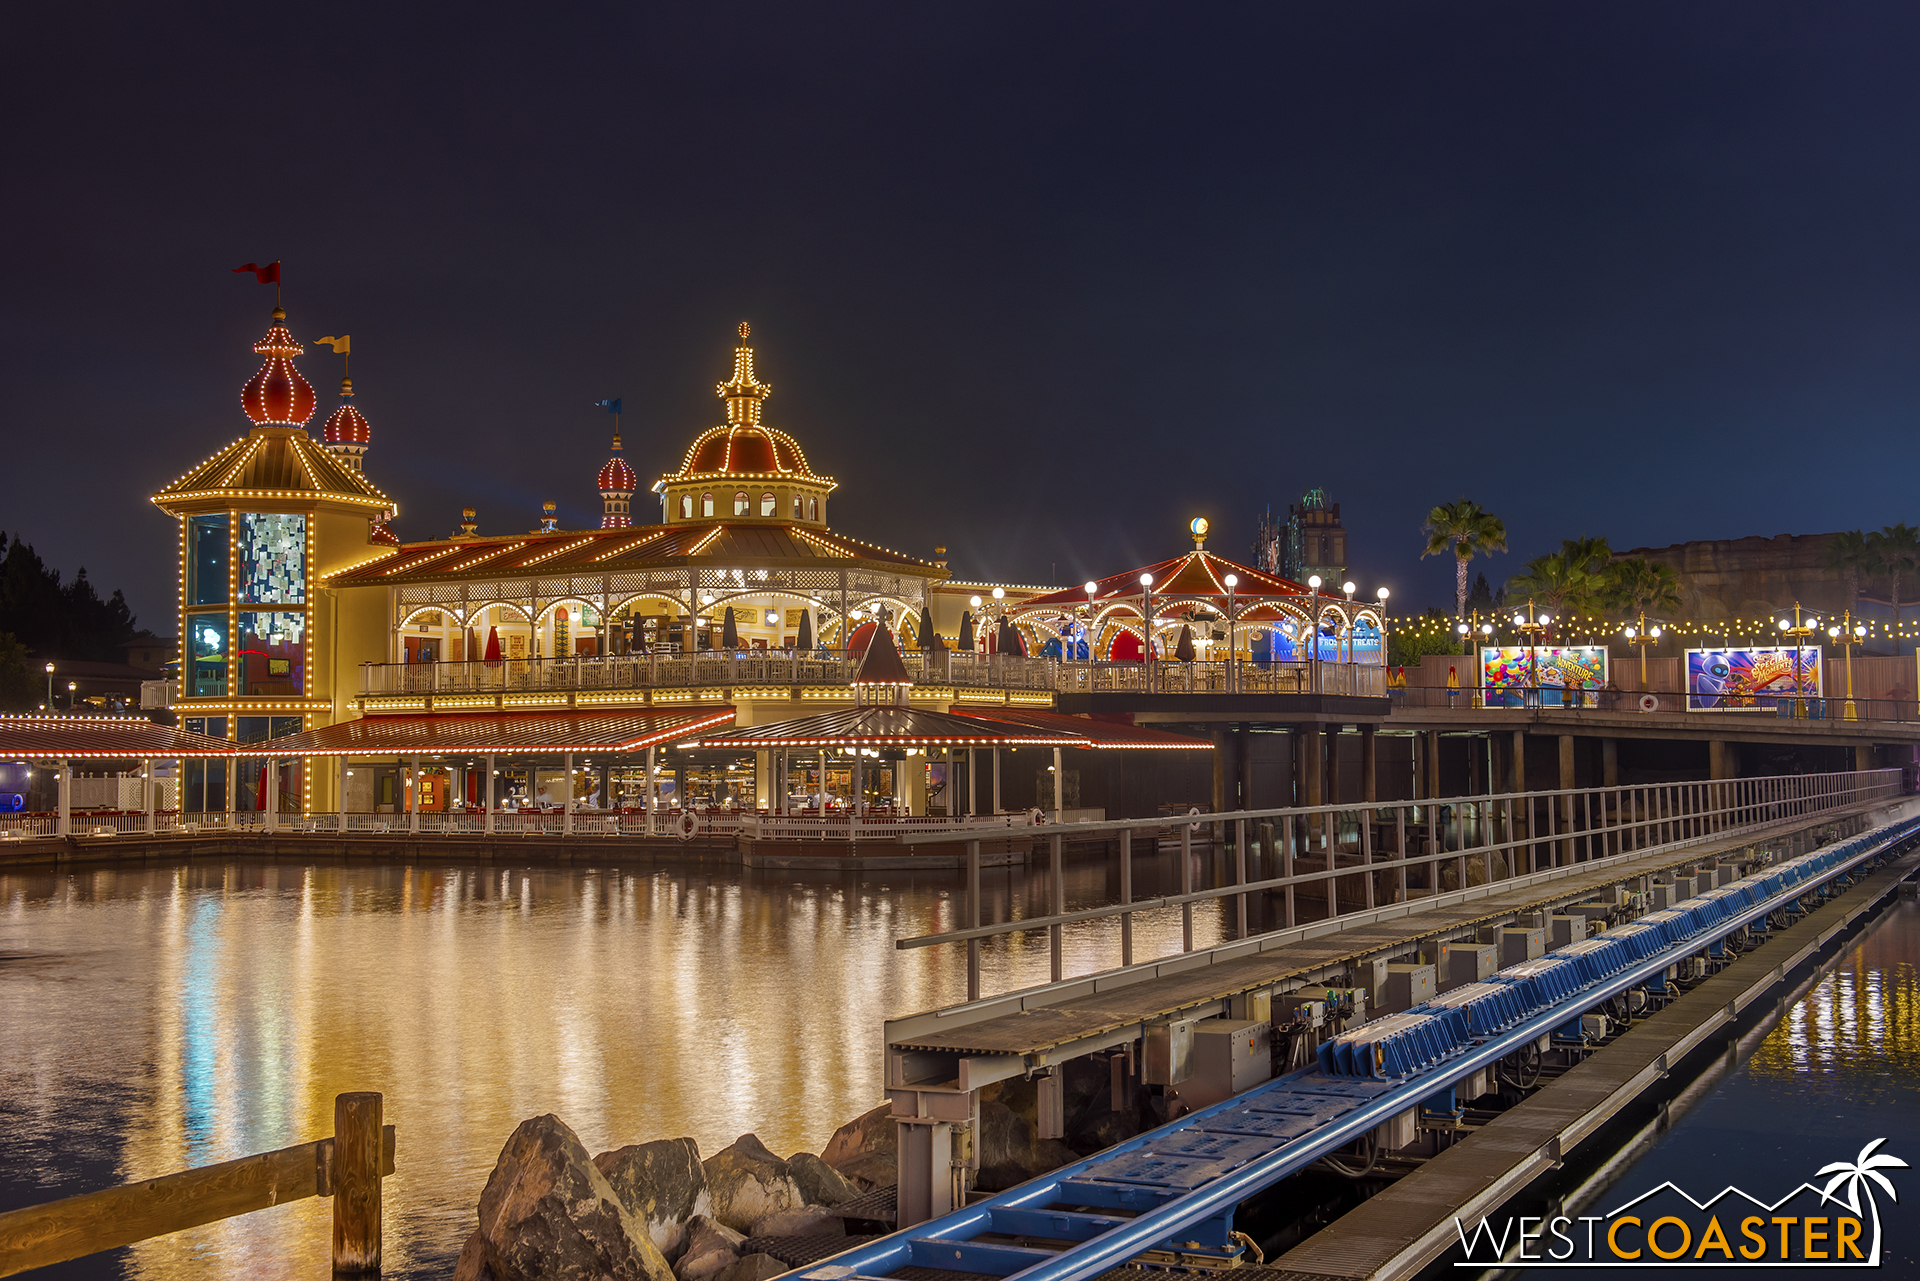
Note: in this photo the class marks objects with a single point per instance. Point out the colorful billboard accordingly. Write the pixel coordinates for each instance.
(1749, 680)
(1565, 676)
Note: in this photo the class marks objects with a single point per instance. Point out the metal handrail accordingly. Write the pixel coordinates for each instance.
(1675, 814)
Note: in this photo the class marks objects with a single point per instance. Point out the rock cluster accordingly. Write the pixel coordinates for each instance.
(651, 1211)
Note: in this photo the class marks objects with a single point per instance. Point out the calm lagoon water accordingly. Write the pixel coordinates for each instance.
(159, 1018)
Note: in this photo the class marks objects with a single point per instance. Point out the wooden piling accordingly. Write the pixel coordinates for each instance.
(356, 1183)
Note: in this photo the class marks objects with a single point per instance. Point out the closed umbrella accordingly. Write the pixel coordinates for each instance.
(1184, 650)
(928, 640)
(493, 645)
(729, 631)
(966, 630)
(806, 630)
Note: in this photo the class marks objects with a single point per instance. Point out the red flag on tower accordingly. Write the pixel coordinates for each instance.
(267, 275)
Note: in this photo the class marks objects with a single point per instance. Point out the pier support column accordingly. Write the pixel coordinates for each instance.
(1313, 754)
(1566, 802)
(1862, 758)
(1718, 762)
(1297, 752)
(1335, 793)
(1432, 738)
(1609, 762)
(1369, 764)
(1244, 746)
(1518, 783)
(1476, 766)
(1222, 770)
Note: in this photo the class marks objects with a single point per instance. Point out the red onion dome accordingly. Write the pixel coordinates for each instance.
(616, 477)
(380, 533)
(278, 396)
(346, 425)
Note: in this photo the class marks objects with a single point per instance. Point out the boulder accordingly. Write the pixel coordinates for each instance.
(711, 1248)
(819, 1183)
(872, 1170)
(870, 1134)
(753, 1267)
(747, 1182)
(548, 1214)
(1011, 1151)
(807, 1221)
(662, 1185)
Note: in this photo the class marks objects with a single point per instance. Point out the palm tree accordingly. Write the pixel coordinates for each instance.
(1467, 530)
(1644, 586)
(1563, 585)
(1855, 1174)
(1852, 553)
(1896, 549)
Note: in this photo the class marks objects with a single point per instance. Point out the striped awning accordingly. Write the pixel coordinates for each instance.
(435, 734)
(100, 738)
(887, 726)
(1106, 734)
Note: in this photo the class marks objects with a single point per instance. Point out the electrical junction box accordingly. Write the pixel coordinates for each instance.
(1168, 1057)
(1566, 929)
(1398, 1131)
(1362, 1002)
(1230, 1056)
(1517, 945)
(1594, 1026)
(1660, 896)
(1683, 888)
(1408, 986)
(1295, 1008)
(1725, 874)
(1595, 913)
(1463, 963)
(1473, 1085)
(1252, 1007)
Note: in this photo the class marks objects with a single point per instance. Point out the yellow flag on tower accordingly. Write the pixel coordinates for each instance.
(341, 345)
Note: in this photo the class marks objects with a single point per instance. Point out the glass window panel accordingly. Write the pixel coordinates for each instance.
(740, 504)
(766, 504)
(207, 560)
(273, 654)
(706, 504)
(273, 558)
(207, 655)
(251, 729)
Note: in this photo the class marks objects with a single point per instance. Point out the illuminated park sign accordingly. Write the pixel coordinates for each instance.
(1750, 679)
(1565, 676)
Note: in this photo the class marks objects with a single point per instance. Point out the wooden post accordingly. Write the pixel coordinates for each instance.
(973, 919)
(356, 1182)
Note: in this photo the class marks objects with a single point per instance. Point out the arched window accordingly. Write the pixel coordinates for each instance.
(813, 509)
(766, 504)
(740, 504)
(686, 507)
(706, 504)
(796, 507)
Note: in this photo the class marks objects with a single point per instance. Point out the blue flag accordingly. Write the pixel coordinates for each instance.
(611, 406)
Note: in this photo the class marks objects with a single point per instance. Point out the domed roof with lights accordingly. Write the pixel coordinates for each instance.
(744, 447)
(277, 396)
(346, 425)
(616, 477)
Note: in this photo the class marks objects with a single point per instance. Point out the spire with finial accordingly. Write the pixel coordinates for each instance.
(617, 483)
(745, 393)
(549, 519)
(346, 432)
(277, 396)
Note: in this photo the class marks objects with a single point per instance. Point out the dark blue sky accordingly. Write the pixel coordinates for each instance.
(1040, 282)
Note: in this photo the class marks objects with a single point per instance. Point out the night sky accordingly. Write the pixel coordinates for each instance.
(1039, 282)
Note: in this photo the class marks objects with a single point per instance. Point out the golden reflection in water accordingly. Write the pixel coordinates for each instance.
(1858, 1028)
(173, 1017)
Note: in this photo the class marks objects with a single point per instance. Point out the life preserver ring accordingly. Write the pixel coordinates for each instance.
(1193, 812)
(687, 825)
(1036, 816)
(1649, 702)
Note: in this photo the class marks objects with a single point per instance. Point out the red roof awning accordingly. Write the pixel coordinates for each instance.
(431, 734)
(100, 738)
(1104, 734)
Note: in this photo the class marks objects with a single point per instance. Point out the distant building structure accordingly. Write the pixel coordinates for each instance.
(1316, 541)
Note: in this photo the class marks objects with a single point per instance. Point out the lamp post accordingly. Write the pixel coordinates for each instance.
(1091, 589)
(73, 692)
(1381, 595)
(49, 688)
(1531, 624)
(1641, 637)
(1233, 657)
(1146, 622)
(1349, 589)
(1313, 636)
(1849, 634)
(1799, 630)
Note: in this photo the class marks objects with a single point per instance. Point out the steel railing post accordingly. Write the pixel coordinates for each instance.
(1186, 885)
(1240, 873)
(1057, 895)
(1126, 894)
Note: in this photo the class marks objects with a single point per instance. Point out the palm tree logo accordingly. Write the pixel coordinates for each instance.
(1854, 1174)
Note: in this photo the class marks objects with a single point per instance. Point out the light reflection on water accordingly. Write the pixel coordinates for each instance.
(158, 1018)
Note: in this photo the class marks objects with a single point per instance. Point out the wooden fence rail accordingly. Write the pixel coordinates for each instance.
(347, 1167)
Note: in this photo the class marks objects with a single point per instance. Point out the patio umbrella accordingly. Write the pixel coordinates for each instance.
(928, 639)
(493, 645)
(934, 644)
(729, 631)
(966, 630)
(1184, 649)
(806, 630)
